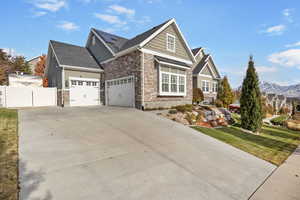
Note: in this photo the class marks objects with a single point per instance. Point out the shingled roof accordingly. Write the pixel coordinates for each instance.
(201, 64)
(72, 55)
(196, 50)
(117, 43)
(114, 42)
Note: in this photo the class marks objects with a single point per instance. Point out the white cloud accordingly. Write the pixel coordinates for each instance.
(288, 58)
(296, 44)
(142, 20)
(287, 13)
(275, 30)
(150, 1)
(68, 26)
(50, 5)
(112, 19)
(39, 13)
(109, 30)
(122, 10)
(265, 69)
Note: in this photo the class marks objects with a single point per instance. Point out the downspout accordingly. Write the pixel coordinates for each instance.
(63, 86)
(143, 80)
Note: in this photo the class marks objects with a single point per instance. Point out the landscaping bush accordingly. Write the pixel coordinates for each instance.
(184, 108)
(236, 119)
(219, 103)
(191, 118)
(197, 95)
(279, 121)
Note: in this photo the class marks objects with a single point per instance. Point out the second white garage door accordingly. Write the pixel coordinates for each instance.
(120, 92)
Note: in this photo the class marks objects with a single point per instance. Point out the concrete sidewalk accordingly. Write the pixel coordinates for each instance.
(284, 183)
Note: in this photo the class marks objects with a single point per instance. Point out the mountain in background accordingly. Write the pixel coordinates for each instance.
(289, 91)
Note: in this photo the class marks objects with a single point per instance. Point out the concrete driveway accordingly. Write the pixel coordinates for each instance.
(125, 154)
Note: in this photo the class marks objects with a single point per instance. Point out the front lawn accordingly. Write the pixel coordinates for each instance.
(8, 154)
(274, 144)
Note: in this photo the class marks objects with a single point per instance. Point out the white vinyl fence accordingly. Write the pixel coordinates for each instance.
(27, 96)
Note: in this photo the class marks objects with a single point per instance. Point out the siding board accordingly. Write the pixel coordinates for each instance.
(159, 44)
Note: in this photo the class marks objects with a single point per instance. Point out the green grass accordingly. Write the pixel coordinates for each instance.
(8, 154)
(273, 144)
(279, 120)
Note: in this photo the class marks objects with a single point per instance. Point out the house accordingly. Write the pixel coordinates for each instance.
(33, 62)
(24, 80)
(151, 70)
(205, 75)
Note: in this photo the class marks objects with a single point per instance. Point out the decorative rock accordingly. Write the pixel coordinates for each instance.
(195, 113)
(213, 123)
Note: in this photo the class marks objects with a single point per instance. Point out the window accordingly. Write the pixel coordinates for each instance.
(171, 40)
(172, 81)
(73, 82)
(94, 83)
(165, 82)
(205, 86)
(181, 84)
(215, 87)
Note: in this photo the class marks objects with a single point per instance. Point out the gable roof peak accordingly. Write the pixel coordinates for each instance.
(195, 51)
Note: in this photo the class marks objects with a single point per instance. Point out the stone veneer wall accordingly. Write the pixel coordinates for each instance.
(66, 97)
(151, 87)
(127, 65)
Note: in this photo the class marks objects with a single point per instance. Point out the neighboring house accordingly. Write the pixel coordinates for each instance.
(290, 100)
(33, 62)
(205, 75)
(151, 70)
(24, 80)
(277, 101)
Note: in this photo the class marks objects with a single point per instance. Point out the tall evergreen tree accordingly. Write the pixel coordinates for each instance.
(251, 107)
(225, 94)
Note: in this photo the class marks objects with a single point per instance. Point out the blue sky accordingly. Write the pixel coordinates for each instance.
(230, 30)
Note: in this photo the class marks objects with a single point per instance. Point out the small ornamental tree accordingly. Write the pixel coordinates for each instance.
(40, 66)
(197, 95)
(19, 64)
(225, 95)
(251, 108)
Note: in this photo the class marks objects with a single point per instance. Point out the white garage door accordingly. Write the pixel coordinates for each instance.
(84, 92)
(120, 92)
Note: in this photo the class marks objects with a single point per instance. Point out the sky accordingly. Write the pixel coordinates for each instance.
(229, 30)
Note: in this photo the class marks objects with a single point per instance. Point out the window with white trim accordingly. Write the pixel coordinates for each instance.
(181, 84)
(165, 82)
(172, 81)
(205, 86)
(215, 87)
(171, 42)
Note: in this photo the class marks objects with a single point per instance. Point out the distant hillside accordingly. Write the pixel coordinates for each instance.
(289, 91)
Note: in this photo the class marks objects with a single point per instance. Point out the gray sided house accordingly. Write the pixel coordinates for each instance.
(153, 69)
(205, 75)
